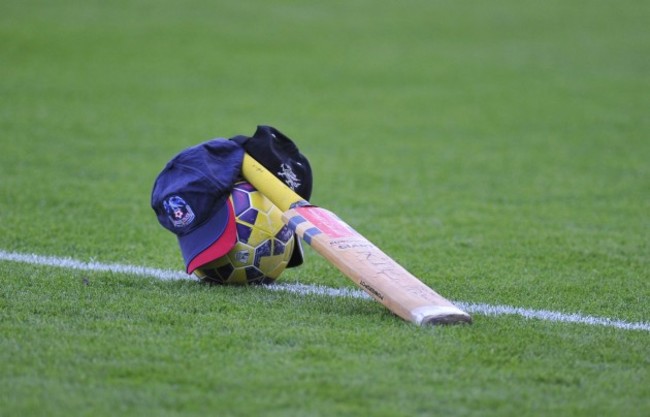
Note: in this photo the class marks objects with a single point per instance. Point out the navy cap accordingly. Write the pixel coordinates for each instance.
(190, 198)
(280, 155)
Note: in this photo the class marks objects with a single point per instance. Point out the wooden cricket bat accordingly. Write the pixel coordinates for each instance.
(364, 263)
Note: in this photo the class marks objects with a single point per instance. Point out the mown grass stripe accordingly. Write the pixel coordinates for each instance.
(304, 289)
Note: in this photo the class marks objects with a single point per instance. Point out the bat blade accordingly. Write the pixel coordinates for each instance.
(371, 269)
(354, 255)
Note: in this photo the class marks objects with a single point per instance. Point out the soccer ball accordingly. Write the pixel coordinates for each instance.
(264, 243)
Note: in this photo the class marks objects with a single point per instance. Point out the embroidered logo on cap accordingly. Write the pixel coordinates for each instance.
(290, 177)
(178, 211)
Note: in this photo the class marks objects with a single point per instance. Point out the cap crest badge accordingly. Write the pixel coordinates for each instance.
(178, 211)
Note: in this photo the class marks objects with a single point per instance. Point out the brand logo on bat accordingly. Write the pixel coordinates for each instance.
(371, 289)
(343, 244)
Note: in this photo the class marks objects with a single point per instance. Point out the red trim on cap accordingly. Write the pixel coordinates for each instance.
(221, 246)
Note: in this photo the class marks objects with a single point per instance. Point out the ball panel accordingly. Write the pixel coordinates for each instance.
(262, 251)
(240, 201)
(249, 216)
(278, 247)
(259, 201)
(284, 235)
(253, 274)
(243, 232)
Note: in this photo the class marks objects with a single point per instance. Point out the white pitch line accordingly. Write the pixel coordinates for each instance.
(304, 289)
(69, 263)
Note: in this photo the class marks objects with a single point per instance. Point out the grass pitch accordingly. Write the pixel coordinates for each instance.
(499, 151)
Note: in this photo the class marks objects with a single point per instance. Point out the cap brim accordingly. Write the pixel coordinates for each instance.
(211, 240)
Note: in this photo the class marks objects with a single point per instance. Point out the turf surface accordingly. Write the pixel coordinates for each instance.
(498, 150)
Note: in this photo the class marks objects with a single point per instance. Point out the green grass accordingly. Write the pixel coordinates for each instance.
(498, 150)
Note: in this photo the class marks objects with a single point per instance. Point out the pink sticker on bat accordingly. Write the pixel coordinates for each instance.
(326, 222)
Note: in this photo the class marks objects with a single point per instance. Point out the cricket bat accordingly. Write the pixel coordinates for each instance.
(354, 255)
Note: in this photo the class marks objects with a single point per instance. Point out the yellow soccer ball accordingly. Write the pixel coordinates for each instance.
(264, 243)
